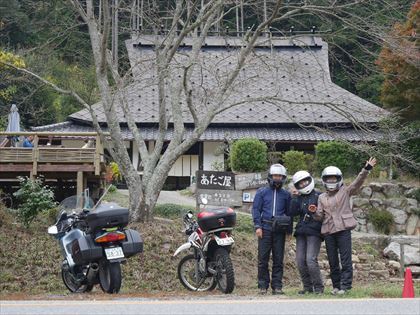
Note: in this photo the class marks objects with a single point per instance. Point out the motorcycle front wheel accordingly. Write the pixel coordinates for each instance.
(109, 276)
(192, 280)
(225, 274)
(72, 285)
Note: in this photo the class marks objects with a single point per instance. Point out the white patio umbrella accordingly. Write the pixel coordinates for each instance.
(13, 122)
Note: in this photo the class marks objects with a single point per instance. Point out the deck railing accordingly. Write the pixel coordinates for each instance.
(51, 154)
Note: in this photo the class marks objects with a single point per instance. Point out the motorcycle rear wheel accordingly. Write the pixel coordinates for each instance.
(187, 276)
(225, 274)
(74, 286)
(110, 276)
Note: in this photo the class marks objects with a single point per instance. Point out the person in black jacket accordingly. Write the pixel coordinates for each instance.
(307, 232)
(271, 203)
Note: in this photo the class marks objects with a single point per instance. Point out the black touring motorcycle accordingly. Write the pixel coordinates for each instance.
(94, 242)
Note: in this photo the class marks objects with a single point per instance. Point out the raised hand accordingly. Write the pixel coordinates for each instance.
(370, 163)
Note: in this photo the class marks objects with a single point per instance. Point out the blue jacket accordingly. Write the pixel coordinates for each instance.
(299, 207)
(264, 209)
(27, 143)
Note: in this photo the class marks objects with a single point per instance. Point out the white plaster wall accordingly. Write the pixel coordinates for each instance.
(208, 155)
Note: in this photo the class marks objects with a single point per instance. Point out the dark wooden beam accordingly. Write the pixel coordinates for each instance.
(15, 167)
(47, 168)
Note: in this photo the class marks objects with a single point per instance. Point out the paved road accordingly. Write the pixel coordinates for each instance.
(215, 306)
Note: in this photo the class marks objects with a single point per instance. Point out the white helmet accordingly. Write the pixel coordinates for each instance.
(332, 171)
(302, 175)
(277, 169)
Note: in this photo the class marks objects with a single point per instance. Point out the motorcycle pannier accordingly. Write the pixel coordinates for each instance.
(84, 250)
(216, 218)
(106, 216)
(133, 243)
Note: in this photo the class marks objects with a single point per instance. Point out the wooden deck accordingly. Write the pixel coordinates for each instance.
(53, 161)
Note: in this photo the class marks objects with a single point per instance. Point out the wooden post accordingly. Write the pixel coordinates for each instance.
(35, 156)
(85, 182)
(98, 152)
(79, 183)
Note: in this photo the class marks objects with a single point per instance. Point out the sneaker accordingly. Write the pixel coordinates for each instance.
(304, 291)
(335, 291)
(262, 291)
(342, 292)
(277, 292)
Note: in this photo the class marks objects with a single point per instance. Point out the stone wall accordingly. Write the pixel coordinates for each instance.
(397, 199)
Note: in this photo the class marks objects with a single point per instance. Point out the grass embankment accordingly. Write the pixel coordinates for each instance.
(30, 260)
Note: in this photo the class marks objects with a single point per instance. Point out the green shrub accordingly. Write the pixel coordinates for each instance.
(296, 160)
(33, 198)
(171, 211)
(51, 215)
(338, 154)
(382, 220)
(244, 224)
(112, 188)
(248, 155)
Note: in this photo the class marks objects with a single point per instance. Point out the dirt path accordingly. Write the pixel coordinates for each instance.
(170, 197)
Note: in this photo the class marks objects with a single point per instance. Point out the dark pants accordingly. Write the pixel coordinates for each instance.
(339, 249)
(271, 242)
(307, 250)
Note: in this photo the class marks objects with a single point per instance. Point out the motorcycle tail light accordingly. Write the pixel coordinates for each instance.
(223, 235)
(110, 237)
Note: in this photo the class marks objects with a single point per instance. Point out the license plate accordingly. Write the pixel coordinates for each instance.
(224, 241)
(114, 253)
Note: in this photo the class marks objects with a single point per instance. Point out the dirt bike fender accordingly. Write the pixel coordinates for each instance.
(183, 247)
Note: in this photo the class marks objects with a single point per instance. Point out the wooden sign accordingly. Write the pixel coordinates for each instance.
(227, 198)
(250, 180)
(215, 180)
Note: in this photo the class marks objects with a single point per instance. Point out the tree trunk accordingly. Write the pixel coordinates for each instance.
(135, 196)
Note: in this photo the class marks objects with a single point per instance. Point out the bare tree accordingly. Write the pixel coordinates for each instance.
(189, 18)
(183, 93)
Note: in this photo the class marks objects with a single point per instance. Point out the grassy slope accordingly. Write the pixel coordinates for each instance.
(30, 261)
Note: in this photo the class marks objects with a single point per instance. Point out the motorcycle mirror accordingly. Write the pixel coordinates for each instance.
(53, 230)
(190, 214)
(204, 201)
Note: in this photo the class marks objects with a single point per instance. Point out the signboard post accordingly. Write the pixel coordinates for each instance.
(222, 198)
(228, 189)
(250, 180)
(218, 188)
(215, 180)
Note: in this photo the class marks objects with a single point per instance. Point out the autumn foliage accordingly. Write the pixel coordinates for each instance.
(400, 63)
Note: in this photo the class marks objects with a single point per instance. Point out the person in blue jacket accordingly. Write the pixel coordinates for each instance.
(269, 203)
(27, 143)
(307, 232)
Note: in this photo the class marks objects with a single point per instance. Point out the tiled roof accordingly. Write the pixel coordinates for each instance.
(292, 74)
(235, 133)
